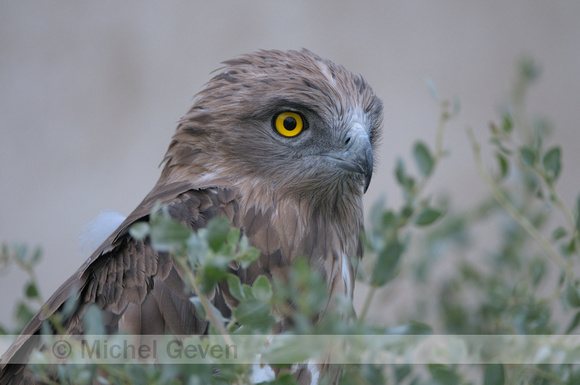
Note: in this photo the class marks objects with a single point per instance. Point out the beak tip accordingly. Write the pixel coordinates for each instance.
(368, 169)
(367, 183)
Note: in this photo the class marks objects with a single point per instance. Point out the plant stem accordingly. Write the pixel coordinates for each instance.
(367, 303)
(563, 208)
(213, 318)
(511, 210)
(444, 116)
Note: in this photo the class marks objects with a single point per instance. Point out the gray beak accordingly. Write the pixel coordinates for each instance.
(357, 155)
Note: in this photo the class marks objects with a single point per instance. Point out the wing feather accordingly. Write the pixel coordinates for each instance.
(139, 289)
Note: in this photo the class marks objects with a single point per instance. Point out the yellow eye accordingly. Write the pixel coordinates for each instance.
(288, 124)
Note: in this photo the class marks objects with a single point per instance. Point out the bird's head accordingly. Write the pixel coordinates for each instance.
(288, 122)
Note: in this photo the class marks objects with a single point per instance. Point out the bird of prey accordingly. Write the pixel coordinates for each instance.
(280, 143)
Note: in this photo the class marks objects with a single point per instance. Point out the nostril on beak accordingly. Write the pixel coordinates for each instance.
(347, 141)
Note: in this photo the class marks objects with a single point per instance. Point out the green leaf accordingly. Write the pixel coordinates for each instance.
(137, 374)
(406, 181)
(289, 351)
(387, 262)
(36, 256)
(197, 248)
(233, 237)
(559, 233)
(571, 294)
(249, 254)
(407, 212)
(376, 212)
(494, 375)
(528, 156)
(31, 290)
(507, 123)
(427, 216)
(569, 247)
(140, 230)
(423, 158)
(23, 313)
(537, 270)
(254, 313)
(262, 289)
(71, 303)
(212, 271)
(443, 375)
(528, 69)
(235, 287)
(400, 172)
(167, 234)
(432, 88)
(552, 162)
(402, 371)
(388, 220)
(247, 291)
(578, 213)
(217, 235)
(93, 320)
(503, 165)
(573, 324)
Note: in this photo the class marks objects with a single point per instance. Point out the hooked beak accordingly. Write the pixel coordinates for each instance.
(357, 155)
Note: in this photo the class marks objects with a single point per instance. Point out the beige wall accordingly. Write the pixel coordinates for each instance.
(90, 92)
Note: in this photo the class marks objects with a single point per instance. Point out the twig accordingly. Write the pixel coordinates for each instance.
(510, 209)
(558, 202)
(444, 116)
(367, 303)
(204, 301)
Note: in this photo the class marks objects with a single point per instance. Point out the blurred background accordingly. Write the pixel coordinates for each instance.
(90, 93)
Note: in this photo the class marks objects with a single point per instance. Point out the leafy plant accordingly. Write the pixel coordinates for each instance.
(517, 276)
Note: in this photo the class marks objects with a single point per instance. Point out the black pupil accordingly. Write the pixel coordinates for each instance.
(290, 123)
